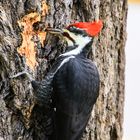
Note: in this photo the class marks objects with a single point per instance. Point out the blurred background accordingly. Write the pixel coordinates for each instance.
(132, 92)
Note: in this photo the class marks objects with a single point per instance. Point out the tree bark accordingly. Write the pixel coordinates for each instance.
(20, 117)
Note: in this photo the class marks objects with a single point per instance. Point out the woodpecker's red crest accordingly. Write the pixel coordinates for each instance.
(92, 28)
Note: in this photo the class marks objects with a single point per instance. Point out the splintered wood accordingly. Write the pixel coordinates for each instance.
(27, 47)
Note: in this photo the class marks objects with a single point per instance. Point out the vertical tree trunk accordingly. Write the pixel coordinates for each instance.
(20, 118)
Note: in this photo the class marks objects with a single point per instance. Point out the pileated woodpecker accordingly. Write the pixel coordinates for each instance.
(73, 81)
(76, 80)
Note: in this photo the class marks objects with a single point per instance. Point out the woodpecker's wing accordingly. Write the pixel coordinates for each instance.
(76, 86)
(43, 89)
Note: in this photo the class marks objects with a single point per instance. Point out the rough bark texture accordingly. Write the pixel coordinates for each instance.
(20, 118)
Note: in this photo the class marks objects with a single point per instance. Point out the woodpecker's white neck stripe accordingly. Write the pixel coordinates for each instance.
(63, 62)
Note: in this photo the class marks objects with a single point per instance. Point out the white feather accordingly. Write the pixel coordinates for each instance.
(63, 62)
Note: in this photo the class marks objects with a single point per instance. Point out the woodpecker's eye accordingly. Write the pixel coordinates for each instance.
(77, 31)
(71, 28)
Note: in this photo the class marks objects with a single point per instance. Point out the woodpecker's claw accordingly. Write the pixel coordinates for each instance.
(21, 74)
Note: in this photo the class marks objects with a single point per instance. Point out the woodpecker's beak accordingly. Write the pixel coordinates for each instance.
(55, 31)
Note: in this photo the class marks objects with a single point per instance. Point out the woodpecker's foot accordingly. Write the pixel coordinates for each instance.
(23, 73)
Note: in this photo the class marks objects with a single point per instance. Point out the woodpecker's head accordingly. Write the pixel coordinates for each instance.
(78, 35)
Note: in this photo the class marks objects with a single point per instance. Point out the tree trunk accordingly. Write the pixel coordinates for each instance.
(23, 48)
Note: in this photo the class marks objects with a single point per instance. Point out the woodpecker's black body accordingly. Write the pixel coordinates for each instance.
(76, 87)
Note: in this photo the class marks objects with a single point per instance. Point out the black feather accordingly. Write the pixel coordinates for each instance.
(76, 88)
